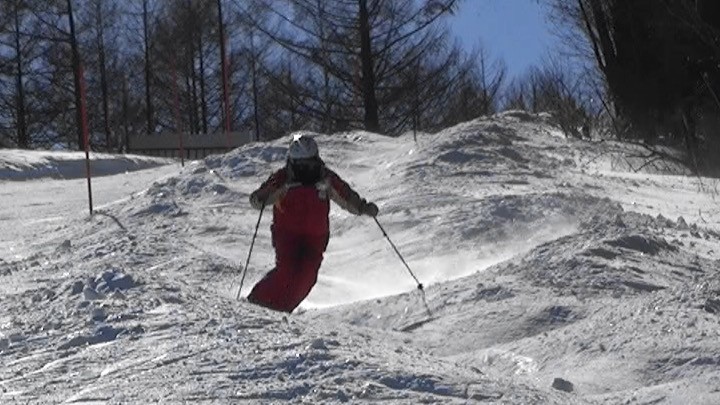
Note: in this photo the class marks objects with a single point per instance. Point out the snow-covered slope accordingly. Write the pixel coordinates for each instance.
(549, 278)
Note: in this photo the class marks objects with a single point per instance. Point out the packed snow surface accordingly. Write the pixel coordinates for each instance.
(553, 273)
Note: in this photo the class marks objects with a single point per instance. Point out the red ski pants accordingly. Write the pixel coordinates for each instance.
(297, 261)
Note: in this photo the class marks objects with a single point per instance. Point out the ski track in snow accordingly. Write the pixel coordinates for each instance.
(546, 263)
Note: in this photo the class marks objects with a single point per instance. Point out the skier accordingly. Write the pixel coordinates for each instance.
(300, 194)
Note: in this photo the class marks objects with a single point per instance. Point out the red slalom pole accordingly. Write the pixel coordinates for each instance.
(86, 133)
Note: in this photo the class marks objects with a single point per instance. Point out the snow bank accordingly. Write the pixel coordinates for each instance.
(19, 165)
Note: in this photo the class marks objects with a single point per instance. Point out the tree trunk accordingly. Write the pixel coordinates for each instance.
(191, 28)
(76, 76)
(291, 99)
(125, 114)
(22, 133)
(370, 103)
(223, 67)
(327, 121)
(103, 75)
(256, 110)
(148, 70)
(203, 101)
(602, 43)
(416, 102)
(193, 93)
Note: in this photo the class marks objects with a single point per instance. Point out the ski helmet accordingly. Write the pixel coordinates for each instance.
(304, 161)
(302, 147)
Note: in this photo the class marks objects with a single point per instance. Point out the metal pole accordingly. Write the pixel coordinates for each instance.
(419, 285)
(252, 243)
(86, 133)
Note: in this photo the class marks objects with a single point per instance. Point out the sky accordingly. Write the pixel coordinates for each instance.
(514, 30)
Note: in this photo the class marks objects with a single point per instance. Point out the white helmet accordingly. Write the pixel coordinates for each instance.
(302, 147)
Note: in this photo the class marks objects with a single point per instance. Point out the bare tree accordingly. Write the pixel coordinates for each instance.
(383, 65)
(287, 97)
(474, 89)
(639, 44)
(101, 18)
(253, 55)
(515, 96)
(14, 12)
(224, 68)
(553, 89)
(363, 46)
(491, 76)
(149, 110)
(76, 64)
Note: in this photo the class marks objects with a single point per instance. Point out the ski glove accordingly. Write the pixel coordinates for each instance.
(370, 209)
(256, 202)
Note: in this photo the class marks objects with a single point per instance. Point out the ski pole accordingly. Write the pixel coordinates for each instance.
(419, 284)
(247, 262)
